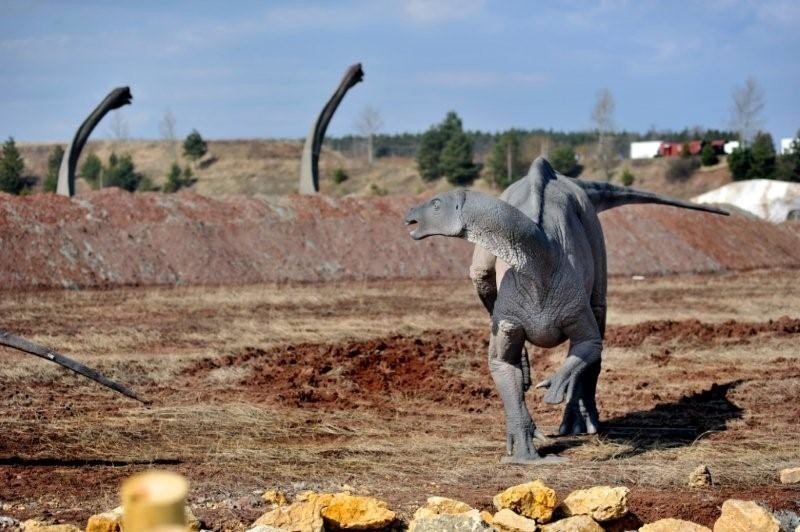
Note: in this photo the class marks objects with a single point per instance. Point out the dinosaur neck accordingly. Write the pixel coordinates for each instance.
(66, 173)
(507, 233)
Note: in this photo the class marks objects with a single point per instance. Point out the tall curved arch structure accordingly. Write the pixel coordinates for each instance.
(66, 172)
(309, 163)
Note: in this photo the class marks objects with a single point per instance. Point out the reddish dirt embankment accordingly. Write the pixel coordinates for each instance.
(111, 237)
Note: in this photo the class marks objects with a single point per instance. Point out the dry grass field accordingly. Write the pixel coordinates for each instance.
(383, 387)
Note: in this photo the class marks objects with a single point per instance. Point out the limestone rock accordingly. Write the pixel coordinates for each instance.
(9, 523)
(441, 506)
(602, 503)
(700, 477)
(576, 523)
(300, 516)
(266, 528)
(274, 497)
(790, 475)
(507, 521)
(356, 512)
(32, 525)
(487, 517)
(532, 499)
(745, 516)
(470, 521)
(673, 525)
(106, 521)
(193, 524)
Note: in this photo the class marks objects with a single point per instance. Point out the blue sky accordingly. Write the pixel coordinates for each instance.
(264, 69)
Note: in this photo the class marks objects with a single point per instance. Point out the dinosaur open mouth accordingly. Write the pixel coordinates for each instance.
(414, 225)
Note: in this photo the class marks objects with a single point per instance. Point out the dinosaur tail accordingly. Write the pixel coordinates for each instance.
(11, 340)
(606, 196)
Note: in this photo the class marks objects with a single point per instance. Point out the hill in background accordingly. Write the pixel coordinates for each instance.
(271, 167)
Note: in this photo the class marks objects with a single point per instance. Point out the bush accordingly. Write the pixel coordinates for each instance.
(53, 166)
(565, 161)
(627, 178)
(91, 169)
(708, 157)
(686, 150)
(194, 146)
(11, 168)
(445, 150)
(681, 169)
(340, 176)
(121, 173)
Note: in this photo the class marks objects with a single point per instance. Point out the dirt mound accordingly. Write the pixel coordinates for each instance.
(112, 238)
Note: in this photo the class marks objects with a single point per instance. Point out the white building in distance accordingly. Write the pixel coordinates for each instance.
(645, 149)
(786, 145)
(730, 146)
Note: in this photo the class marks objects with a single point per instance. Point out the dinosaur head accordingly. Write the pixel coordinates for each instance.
(441, 215)
(119, 97)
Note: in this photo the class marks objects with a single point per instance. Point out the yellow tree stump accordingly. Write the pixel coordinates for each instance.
(154, 501)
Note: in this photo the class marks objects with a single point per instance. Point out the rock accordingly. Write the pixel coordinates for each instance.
(507, 521)
(355, 512)
(440, 506)
(487, 517)
(32, 525)
(300, 516)
(602, 503)
(106, 521)
(267, 528)
(673, 525)
(275, 497)
(700, 477)
(532, 499)
(790, 475)
(745, 516)
(8, 523)
(470, 521)
(193, 524)
(577, 523)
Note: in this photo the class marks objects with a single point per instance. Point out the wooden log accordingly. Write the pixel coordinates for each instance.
(154, 501)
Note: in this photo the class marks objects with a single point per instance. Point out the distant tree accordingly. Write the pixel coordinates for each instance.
(603, 120)
(92, 170)
(121, 173)
(53, 165)
(627, 178)
(174, 180)
(681, 169)
(433, 143)
(746, 107)
(340, 176)
(456, 160)
(763, 157)
(686, 150)
(369, 124)
(194, 146)
(708, 156)
(118, 126)
(565, 161)
(11, 168)
(506, 163)
(739, 162)
(167, 129)
(788, 164)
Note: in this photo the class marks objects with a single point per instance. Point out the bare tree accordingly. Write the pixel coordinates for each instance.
(746, 108)
(167, 129)
(369, 124)
(603, 120)
(118, 126)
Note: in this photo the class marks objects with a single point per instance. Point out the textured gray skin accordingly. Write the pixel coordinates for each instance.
(309, 161)
(66, 173)
(26, 346)
(545, 228)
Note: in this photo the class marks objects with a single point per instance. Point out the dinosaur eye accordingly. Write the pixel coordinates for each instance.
(436, 204)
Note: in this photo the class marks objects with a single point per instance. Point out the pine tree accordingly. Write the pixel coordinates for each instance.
(91, 170)
(506, 163)
(174, 181)
(11, 168)
(194, 146)
(763, 157)
(456, 160)
(53, 165)
(708, 156)
(565, 161)
(121, 173)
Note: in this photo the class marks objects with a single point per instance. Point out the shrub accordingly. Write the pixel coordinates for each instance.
(340, 176)
(53, 165)
(121, 173)
(91, 169)
(708, 156)
(194, 146)
(11, 168)
(627, 178)
(681, 169)
(565, 161)
(456, 160)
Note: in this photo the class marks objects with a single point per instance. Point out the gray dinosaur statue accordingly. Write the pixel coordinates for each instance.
(10, 340)
(309, 160)
(66, 173)
(551, 288)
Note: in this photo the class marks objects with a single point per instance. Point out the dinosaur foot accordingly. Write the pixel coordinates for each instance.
(534, 459)
(579, 419)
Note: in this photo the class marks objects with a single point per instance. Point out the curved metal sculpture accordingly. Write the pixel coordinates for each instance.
(66, 173)
(17, 342)
(309, 163)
